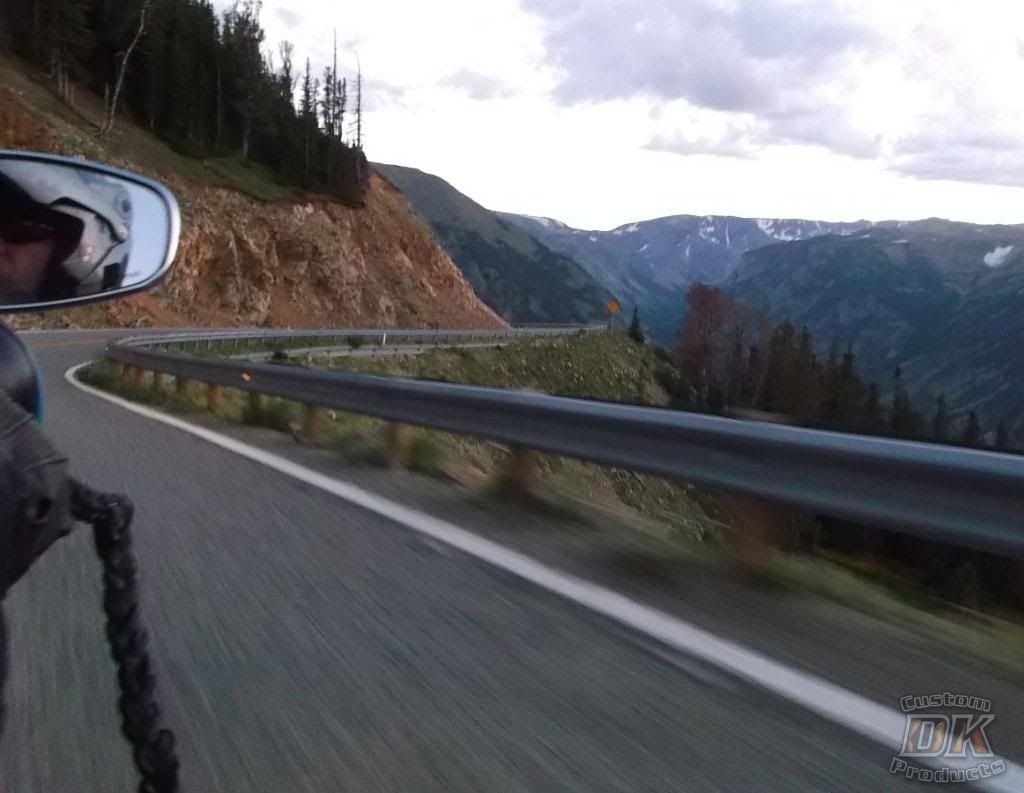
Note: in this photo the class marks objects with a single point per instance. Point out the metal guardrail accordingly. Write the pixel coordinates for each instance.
(433, 335)
(966, 496)
(233, 341)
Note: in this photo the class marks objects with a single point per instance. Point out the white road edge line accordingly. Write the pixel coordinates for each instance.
(876, 722)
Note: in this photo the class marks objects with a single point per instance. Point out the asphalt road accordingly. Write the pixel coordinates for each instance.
(306, 645)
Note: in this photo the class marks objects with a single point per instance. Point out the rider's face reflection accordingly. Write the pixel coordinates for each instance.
(23, 265)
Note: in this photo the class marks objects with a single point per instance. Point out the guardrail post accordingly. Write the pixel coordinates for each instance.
(181, 387)
(158, 381)
(312, 421)
(399, 442)
(757, 528)
(213, 394)
(138, 375)
(520, 477)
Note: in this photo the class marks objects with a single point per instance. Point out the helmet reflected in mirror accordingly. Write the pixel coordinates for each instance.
(73, 232)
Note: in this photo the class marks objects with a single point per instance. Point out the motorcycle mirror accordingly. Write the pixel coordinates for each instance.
(74, 232)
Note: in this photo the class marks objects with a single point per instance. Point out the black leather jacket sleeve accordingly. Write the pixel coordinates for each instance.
(35, 509)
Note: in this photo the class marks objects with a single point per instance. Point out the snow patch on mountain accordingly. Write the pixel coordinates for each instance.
(776, 231)
(548, 223)
(706, 229)
(998, 255)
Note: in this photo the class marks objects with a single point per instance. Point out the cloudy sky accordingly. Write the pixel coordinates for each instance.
(600, 112)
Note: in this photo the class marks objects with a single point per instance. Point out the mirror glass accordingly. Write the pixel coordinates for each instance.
(70, 232)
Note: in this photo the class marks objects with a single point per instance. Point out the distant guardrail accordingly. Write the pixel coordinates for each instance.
(961, 495)
(209, 339)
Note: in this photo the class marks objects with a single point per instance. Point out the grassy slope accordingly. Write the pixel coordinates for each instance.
(606, 366)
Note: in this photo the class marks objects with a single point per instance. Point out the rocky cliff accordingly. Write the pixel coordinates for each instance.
(296, 260)
(315, 262)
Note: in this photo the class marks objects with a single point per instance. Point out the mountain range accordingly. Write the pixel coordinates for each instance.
(941, 299)
(651, 263)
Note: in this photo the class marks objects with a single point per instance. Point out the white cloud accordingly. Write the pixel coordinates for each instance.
(290, 18)
(477, 85)
(599, 112)
(745, 55)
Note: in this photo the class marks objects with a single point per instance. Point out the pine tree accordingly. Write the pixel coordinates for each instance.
(750, 385)
(778, 391)
(328, 104)
(244, 39)
(851, 388)
(287, 77)
(307, 99)
(872, 412)
(972, 431)
(307, 115)
(805, 375)
(342, 95)
(904, 421)
(1002, 435)
(736, 367)
(65, 40)
(940, 421)
(636, 332)
(199, 79)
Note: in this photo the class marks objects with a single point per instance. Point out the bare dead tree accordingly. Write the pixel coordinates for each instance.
(332, 88)
(108, 123)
